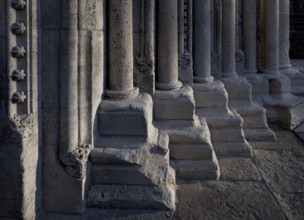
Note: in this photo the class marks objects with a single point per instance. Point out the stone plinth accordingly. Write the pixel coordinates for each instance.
(136, 155)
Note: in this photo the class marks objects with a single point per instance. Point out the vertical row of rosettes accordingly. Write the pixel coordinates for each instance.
(18, 28)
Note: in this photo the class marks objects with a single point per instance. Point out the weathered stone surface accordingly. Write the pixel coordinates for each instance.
(166, 101)
(283, 171)
(291, 204)
(132, 197)
(232, 149)
(210, 95)
(198, 170)
(115, 117)
(224, 200)
(238, 169)
(285, 140)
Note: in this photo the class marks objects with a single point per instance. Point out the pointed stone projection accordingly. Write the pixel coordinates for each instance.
(191, 150)
(281, 105)
(130, 160)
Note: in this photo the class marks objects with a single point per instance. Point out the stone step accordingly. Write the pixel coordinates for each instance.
(191, 151)
(262, 134)
(117, 196)
(197, 170)
(254, 117)
(232, 121)
(255, 121)
(232, 149)
(227, 134)
(246, 108)
(213, 112)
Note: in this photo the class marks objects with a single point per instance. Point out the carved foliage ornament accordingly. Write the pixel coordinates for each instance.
(21, 128)
(18, 4)
(76, 161)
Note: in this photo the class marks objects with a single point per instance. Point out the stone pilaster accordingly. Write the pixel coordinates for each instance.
(191, 150)
(228, 40)
(137, 155)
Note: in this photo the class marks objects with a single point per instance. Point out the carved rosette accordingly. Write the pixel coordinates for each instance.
(18, 97)
(18, 28)
(18, 52)
(76, 161)
(20, 128)
(18, 75)
(18, 4)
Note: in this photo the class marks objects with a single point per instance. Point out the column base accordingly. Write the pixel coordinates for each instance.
(287, 109)
(227, 136)
(203, 79)
(229, 75)
(130, 159)
(296, 79)
(168, 86)
(115, 117)
(190, 144)
(117, 95)
(175, 105)
(254, 125)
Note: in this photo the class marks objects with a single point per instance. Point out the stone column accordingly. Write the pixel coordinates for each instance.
(228, 40)
(167, 46)
(249, 35)
(285, 65)
(121, 51)
(202, 40)
(271, 36)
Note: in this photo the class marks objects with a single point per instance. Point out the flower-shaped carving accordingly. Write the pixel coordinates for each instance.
(18, 28)
(18, 75)
(18, 52)
(18, 4)
(18, 97)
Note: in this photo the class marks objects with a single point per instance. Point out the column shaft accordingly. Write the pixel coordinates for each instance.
(271, 36)
(249, 35)
(202, 41)
(284, 34)
(228, 39)
(167, 45)
(121, 50)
